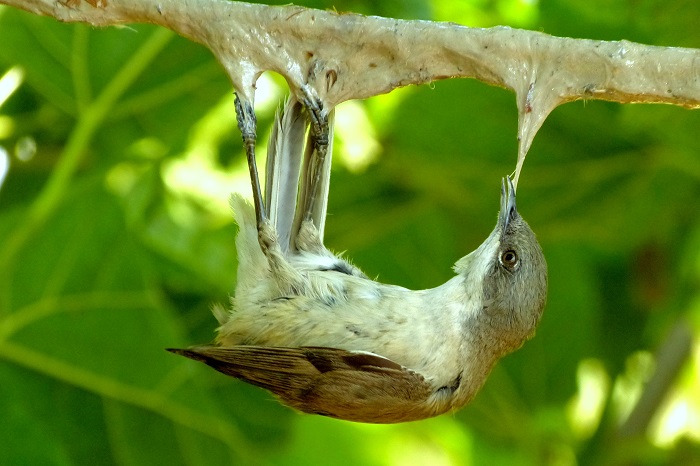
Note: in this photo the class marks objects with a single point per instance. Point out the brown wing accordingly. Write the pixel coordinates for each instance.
(350, 385)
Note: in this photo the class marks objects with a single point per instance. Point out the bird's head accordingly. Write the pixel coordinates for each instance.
(510, 271)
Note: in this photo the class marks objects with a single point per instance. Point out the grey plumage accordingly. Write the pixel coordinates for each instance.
(314, 330)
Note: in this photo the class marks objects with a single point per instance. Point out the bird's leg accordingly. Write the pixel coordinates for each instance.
(310, 217)
(247, 123)
(286, 276)
(320, 139)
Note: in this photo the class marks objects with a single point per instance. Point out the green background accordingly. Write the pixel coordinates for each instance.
(115, 240)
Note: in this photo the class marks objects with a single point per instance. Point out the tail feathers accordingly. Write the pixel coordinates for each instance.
(283, 167)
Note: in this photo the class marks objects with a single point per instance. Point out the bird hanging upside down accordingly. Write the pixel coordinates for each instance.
(314, 330)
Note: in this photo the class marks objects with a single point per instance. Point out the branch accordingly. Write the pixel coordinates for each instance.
(349, 56)
(670, 357)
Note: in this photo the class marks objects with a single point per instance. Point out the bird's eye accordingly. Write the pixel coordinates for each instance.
(509, 259)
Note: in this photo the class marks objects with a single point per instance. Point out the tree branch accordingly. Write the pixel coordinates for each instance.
(349, 56)
(670, 357)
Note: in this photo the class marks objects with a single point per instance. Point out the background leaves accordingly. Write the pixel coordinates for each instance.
(115, 238)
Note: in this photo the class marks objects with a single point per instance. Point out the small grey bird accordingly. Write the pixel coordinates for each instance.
(314, 330)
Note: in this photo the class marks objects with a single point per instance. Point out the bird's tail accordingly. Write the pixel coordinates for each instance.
(289, 181)
(283, 167)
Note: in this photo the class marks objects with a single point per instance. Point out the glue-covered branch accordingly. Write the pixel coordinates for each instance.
(349, 56)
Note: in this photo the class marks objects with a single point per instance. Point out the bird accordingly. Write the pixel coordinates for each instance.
(324, 338)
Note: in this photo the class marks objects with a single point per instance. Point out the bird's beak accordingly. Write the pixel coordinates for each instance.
(508, 208)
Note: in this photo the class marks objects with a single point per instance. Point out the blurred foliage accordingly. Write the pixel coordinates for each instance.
(115, 239)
